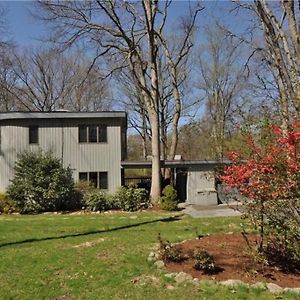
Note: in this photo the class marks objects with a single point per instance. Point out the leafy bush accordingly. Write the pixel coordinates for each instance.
(204, 261)
(269, 183)
(6, 205)
(82, 188)
(131, 199)
(41, 183)
(169, 199)
(169, 252)
(96, 200)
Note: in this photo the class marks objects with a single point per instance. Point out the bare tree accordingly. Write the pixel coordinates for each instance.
(176, 56)
(88, 91)
(279, 22)
(126, 33)
(7, 78)
(170, 107)
(5, 41)
(173, 70)
(7, 83)
(41, 85)
(47, 80)
(133, 102)
(221, 81)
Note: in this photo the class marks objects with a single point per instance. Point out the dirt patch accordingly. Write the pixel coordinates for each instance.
(155, 208)
(232, 257)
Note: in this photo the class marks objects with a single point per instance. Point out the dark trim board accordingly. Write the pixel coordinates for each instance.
(61, 115)
(173, 164)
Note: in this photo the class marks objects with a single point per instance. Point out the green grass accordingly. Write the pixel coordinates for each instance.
(101, 256)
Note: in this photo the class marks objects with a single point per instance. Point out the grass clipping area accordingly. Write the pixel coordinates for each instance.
(102, 256)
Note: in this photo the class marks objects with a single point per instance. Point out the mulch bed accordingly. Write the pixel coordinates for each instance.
(231, 255)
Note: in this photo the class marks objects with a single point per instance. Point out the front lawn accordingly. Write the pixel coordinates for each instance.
(101, 256)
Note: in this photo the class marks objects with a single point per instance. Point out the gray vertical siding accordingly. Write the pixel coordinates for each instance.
(201, 186)
(61, 137)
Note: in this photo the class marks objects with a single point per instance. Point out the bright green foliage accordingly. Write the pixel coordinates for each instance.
(6, 205)
(169, 199)
(131, 199)
(82, 189)
(127, 199)
(96, 200)
(41, 183)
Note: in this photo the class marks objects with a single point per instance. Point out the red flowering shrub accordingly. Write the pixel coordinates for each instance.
(270, 185)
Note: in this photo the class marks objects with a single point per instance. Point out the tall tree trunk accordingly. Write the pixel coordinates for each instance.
(283, 106)
(176, 116)
(151, 8)
(156, 172)
(144, 135)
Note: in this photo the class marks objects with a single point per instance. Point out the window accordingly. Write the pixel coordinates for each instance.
(92, 134)
(97, 179)
(33, 135)
(93, 178)
(83, 176)
(102, 134)
(103, 180)
(82, 132)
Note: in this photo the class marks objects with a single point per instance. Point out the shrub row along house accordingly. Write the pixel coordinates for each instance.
(93, 144)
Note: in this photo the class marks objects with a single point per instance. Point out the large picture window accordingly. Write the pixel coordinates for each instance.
(33, 135)
(97, 179)
(92, 134)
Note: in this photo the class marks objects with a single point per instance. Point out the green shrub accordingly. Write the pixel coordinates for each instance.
(41, 183)
(6, 205)
(131, 199)
(96, 200)
(82, 188)
(169, 201)
(204, 261)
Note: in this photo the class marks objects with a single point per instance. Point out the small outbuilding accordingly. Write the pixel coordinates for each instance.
(195, 180)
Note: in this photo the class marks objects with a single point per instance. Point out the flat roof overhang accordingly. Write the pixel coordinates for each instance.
(173, 164)
(61, 115)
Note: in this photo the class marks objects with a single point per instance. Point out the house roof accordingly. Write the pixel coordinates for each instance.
(173, 163)
(61, 115)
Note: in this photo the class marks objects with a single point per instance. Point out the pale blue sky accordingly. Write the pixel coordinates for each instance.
(23, 28)
(26, 31)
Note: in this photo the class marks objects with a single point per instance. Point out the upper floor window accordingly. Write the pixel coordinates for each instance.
(92, 134)
(33, 134)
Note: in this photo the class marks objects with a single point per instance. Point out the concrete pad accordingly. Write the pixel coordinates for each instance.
(198, 211)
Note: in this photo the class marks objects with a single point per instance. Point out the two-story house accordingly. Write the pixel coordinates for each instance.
(93, 144)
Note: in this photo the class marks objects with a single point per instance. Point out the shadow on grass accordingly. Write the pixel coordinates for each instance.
(34, 240)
